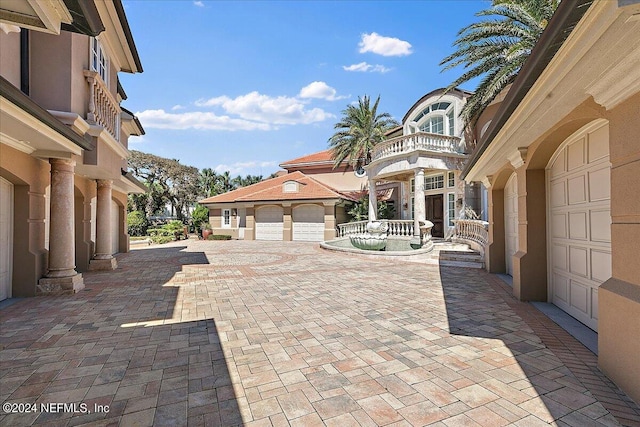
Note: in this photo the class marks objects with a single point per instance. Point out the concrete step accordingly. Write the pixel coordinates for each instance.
(470, 255)
(465, 264)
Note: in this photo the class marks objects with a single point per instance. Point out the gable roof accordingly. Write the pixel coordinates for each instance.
(272, 190)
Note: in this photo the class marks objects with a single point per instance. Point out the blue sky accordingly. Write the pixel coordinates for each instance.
(246, 85)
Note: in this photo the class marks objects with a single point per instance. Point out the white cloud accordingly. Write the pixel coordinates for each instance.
(385, 46)
(159, 119)
(240, 168)
(178, 107)
(281, 110)
(198, 3)
(363, 67)
(319, 90)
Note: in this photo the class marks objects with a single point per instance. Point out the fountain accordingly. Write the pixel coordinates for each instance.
(374, 239)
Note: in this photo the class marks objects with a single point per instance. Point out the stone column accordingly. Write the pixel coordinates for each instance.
(419, 211)
(61, 277)
(373, 201)
(103, 259)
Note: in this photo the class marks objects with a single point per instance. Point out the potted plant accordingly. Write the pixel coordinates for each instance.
(206, 230)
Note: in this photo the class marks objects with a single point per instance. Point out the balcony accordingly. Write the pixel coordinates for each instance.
(104, 110)
(417, 141)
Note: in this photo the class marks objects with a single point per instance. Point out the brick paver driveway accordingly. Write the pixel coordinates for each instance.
(272, 333)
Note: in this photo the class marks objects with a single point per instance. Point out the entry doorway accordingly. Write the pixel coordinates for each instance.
(434, 207)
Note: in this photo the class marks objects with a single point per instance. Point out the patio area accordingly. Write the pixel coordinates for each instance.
(282, 333)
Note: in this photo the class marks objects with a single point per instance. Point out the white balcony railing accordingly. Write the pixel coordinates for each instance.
(473, 232)
(104, 110)
(397, 228)
(416, 141)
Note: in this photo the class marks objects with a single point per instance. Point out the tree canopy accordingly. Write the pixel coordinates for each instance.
(359, 130)
(496, 48)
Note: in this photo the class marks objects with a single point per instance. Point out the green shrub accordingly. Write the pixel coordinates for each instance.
(160, 235)
(137, 223)
(199, 216)
(218, 237)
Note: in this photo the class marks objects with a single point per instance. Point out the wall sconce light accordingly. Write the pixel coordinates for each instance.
(234, 212)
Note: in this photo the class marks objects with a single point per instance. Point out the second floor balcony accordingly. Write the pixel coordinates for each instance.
(424, 141)
(104, 110)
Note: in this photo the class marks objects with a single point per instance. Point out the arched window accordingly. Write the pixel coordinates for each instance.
(438, 118)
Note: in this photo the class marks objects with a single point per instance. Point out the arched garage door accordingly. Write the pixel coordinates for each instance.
(578, 183)
(269, 223)
(308, 223)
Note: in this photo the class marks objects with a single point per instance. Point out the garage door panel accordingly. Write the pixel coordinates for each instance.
(578, 225)
(580, 231)
(269, 223)
(576, 154)
(600, 265)
(600, 184)
(561, 288)
(559, 258)
(600, 226)
(558, 194)
(580, 297)
(577, 190)
(308, 223)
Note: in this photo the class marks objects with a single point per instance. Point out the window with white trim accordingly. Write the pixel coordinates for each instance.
(438, 118)
(434, 182)
(451, 206)
(451, 179)
(99, 60)
(226, 218)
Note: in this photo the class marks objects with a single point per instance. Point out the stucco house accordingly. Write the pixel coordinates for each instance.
(425, 156)
(560, 156)
(63, 142)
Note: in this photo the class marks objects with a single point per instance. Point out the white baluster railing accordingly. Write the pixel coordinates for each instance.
(397, 228)
(104, 110)
(472, 231)
(416, 141)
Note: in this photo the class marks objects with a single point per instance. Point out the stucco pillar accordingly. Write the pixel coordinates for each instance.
(61, 277)
(103, 258)
(530, 262)
(329, 220)
(419, 210)
(287, 234)
(373, 201)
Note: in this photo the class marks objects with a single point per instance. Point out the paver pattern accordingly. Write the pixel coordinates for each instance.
(281, 333)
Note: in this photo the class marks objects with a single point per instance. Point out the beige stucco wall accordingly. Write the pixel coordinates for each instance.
(30, 178)
(10, 63)
(338, 179)
(84, 191)
(619, 309)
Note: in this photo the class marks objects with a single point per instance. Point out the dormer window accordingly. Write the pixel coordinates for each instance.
(438, 118)
(290, 187)
(99, 60)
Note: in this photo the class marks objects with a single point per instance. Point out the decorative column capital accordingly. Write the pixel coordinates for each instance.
(62, 165)
(104, 183)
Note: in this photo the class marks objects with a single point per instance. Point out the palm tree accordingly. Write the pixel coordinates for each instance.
(495, 49)
(360, 129)
(208, 181)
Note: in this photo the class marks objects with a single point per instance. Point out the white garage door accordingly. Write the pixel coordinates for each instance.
(269, 223)
(308, 223)
(578, 182)
(115, 228)
(6, 237)
(511, 221)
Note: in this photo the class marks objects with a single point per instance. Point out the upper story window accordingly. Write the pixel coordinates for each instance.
(99, 60)
(438, 118)
(434, 182)
(290, 187)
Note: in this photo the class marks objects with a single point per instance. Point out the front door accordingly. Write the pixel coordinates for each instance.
(435, 213)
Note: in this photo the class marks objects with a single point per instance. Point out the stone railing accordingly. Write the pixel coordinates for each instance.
(104, 110)
(416, 141)
(473, 232)
(397, 228)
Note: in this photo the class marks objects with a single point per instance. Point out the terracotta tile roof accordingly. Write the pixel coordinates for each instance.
(272, 189)
(319, 157)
